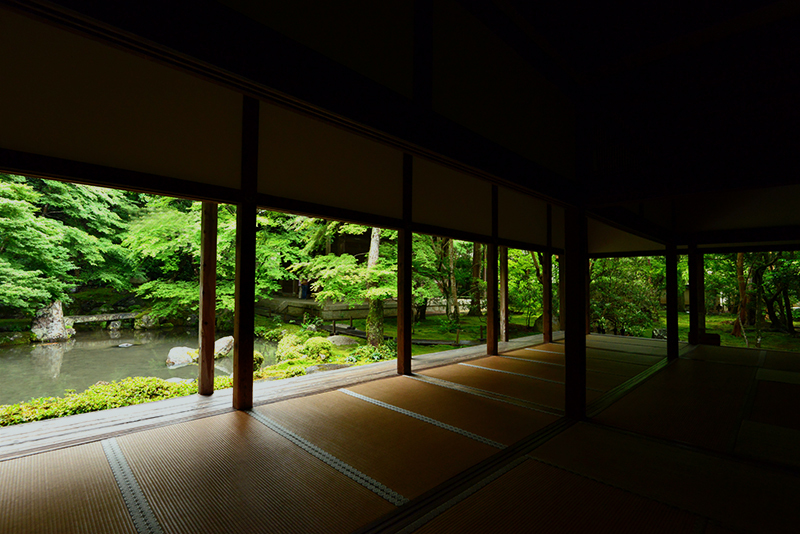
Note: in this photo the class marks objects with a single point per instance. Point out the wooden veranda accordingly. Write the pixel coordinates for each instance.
(468, 443)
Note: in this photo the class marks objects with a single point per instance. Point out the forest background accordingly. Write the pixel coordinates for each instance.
(73, 243)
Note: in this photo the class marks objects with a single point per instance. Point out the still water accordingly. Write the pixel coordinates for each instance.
(48, 369)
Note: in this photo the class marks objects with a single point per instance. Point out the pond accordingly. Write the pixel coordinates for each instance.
(48, 369)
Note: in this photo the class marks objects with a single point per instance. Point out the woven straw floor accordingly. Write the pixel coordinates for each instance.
(706, 444)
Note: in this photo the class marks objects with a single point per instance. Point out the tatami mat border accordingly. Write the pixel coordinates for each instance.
(451, 428)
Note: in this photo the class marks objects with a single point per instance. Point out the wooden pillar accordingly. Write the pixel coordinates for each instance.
(244, 314)
(492, 312)
(575, 260)
(562, 295)
(404, 293)
(547, 298)
(208, 297)
(671, 275)
(547, 282)
(697, 312)
(503, 253)
(588, 310)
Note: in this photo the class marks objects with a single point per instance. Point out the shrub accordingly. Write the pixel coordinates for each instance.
(304, 335)
(385, 351)
(276, 334)
(318, 347)
(289, 348)
(295, 371)
(258, 360)
(102, 396)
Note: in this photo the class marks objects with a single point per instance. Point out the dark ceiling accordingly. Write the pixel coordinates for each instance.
(710, 89)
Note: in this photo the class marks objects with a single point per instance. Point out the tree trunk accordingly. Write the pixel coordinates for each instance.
(741, 316)
(375, 314)
(787, 305)
(422, 310)
(475, 303)
(769, 302)
(453, 287)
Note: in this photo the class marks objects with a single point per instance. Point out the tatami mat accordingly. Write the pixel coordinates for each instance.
(733, 493)
(230, 473)
(65, 491)
(492, 419)
(730, 355)
(548, 394)
(527, 367)
(777, 444)
(777, 403)
(785, 361)
(641, 358)
(694, 402)
(653, 347)
(378, 442)
(594, 380)
(535, 497)
(612, 367)
(596, 361)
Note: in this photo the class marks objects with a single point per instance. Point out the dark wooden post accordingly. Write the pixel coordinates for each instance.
(503, 253)
(492, 312)
(208, 297)
(576, 260)
(588, 313)
(547, 297)
(244, 315)
(547, 281)
(697, 320)
(671, 275)
(562, 295)
(404, 294)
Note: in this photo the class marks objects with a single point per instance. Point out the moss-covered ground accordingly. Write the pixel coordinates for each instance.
(722, 324)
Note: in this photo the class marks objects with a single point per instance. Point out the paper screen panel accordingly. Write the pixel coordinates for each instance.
(522, 217)
(70, 97)
(305, 159)
(605, 239)
(451, 199)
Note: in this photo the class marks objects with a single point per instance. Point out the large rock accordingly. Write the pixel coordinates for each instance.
(340, 341)
(48, 324)
(180, 356)
(145, 322)
(222, 347)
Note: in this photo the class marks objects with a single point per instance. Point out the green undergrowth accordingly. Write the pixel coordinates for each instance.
(722, 324)
(102, 396)
(439, 327)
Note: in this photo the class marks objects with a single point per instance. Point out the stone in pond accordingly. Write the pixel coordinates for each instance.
(222, 347)
(180, 356)
(48, 324)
